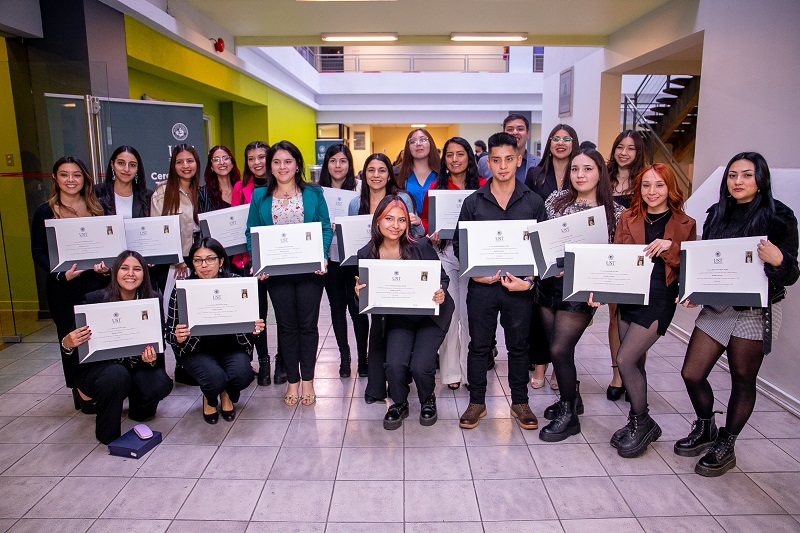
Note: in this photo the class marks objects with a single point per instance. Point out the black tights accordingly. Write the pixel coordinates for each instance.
(744, 360)
(564, 330)
(635, 341)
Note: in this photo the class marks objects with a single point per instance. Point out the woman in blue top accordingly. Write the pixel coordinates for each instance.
(289, 199)
(420, 163)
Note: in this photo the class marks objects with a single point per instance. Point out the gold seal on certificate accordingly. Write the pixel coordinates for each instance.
(227, 226)
(287, 249)
(351, 234)
(491, 245)
(549, 237)
(218, 306)
(338, 202)
(119, 329)
(723, 272)
(84, 241)
(615, 273)
(444, 208)
(399, 287)
(158, 239)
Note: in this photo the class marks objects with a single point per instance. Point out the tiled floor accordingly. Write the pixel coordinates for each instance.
(332, 467)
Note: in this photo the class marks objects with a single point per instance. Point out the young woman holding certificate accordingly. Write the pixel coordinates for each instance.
(419, 166)
(565, 322)
(459, 171)
(221, 176)
(124, 190)
(410, 341)
(655, 219)
(72, 197)
(745, 208)
(289, 199)
(141, 377)
(337, 172)
(219, 363)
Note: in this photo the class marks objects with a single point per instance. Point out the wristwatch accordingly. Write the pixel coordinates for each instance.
(531, 281)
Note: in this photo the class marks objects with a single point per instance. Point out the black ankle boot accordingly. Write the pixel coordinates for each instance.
(552, 410)
(564, 425)
(263, 372)
(700, 439)
(621, 432)
(363, 366)
(643, 431)
(344, 365)
(720, 458)
(395, 415)
(427, 415)
(280, 376)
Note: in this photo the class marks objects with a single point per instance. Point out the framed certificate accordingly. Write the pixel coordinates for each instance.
(488, 246)
(723, 272)
(84, 241)
(352, 233)
(444, 208)
(399, 287)
(227, 226)
(287, 249)
(549, 237)
(120, 329)
(218, 306)
(615, 273)
(158, 239)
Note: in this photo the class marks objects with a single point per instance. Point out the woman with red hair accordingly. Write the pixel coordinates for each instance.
(656, 219)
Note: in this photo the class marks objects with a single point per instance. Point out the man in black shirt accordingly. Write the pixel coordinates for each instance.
(503, 197)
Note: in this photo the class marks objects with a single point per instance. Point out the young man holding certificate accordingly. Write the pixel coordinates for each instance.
(502, 198)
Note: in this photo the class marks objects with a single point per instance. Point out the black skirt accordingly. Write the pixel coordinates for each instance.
(550, 293)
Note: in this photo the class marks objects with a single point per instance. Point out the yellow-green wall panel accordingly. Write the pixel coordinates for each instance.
(292, 121)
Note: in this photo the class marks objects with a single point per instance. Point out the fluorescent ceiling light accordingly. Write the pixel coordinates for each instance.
(484, 37)
(419, 125)
(346, 0)
(358, 37)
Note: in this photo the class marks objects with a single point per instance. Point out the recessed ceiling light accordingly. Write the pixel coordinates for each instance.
(489, 37)
(358, 37)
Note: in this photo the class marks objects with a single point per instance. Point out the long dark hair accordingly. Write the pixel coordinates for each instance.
(145, 289)
(759, 213)
(407, 166)
(471, 179)
(547, 155)
(212, 180)
(87, 191)
(219, 250)
(248, 174)
(139, 181)
(172, 193)
(299, 175)
(603, 193)
(349, 183)
(391, 185)
(388, 202)
(636, 165)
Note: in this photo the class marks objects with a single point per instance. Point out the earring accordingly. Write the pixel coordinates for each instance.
(136, 178)
(113, 175)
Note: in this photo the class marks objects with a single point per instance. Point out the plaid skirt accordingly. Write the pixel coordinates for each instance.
(722, 323)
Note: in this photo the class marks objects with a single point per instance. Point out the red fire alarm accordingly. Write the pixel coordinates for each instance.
(219, 45)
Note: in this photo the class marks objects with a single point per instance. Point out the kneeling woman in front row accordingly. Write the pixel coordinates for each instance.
(411, 341)
(141, 377)
(219, 363)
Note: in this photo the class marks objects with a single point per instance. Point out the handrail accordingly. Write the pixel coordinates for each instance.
(416, 62)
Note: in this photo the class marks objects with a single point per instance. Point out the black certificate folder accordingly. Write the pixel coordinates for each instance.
(599, 296)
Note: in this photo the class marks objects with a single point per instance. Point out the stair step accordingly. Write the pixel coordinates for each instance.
(669, 100)
(676, 91)
(683, 82)
(654, 119)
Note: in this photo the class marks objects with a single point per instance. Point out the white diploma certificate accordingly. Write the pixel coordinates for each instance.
(723, 272)
(218, 306)
(287, 249)
(491, 245)
(158, 239)
(615, 273)
(444, 208)
(351, 234)
(399, 287)
(120, 329)
(227, 226)
(549, 237)
(84, 241)
(338, 201)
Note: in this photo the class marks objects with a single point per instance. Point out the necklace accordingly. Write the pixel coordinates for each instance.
(651, 222)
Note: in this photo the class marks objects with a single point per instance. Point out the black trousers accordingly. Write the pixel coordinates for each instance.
(296, 299)
(260, 340)
(412, 343)
(228, 371)
(108, 383)
(484, 302)
(340, 287)
(376, 371)
(538, 346)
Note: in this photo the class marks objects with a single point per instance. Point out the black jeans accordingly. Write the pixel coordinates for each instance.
(108, 383)
(484, 302)
(228, 371)
(296, 300)
(260, 340)
(340, 286)
(412, 343)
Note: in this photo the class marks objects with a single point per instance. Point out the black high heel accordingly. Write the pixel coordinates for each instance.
(87, 407)
(615, 393)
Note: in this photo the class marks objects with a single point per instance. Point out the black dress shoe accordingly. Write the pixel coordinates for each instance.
(87, 407)
(615, 393)
(370, 400)
(427, 416)
(228, 416)
(395, 415)
(213, 418)
(279, 377)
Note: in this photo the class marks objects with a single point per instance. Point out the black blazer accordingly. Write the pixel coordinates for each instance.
(105, 194)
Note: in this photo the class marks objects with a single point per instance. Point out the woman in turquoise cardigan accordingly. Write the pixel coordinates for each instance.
(289, 199)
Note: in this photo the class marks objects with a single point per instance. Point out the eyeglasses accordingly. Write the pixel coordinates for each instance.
(223, 159)
(559, 139)
(421, 140)
(197, 261)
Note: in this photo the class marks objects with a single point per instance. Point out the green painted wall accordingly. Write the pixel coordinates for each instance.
(293, 121)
